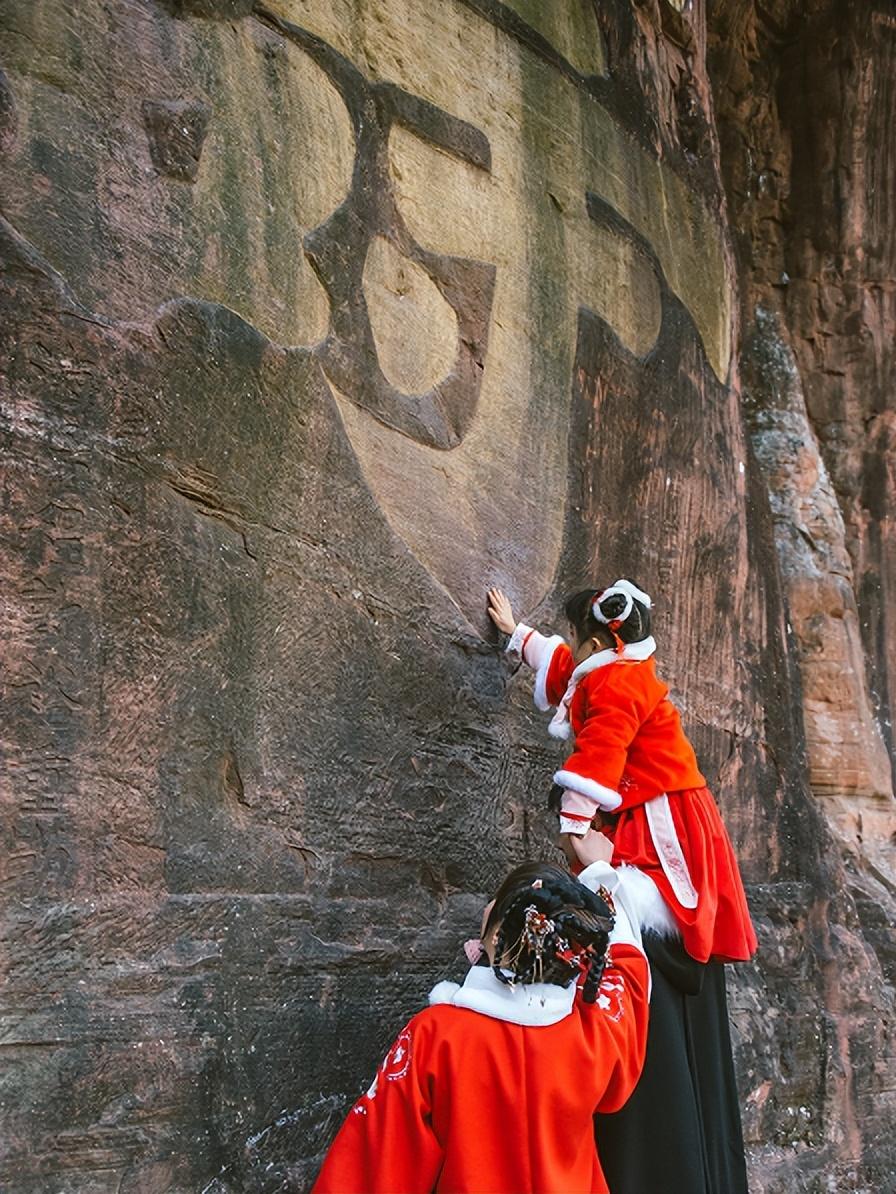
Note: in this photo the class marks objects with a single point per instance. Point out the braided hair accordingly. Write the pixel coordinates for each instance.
(632, 628)
(550, 928)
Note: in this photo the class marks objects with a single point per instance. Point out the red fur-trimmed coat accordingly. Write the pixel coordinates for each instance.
(494, 1087)
(632, 758)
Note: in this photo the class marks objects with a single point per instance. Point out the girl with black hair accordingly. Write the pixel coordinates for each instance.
(632, 766)
(493, 1087)
(633, 771)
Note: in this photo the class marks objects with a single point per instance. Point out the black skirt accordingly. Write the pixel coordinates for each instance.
(680, 1132)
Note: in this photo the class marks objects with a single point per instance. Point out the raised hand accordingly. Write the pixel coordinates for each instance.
(500, 611)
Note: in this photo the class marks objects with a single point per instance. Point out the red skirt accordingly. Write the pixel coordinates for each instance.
(719, 927)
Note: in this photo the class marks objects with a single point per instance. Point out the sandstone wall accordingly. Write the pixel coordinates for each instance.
(320, 318)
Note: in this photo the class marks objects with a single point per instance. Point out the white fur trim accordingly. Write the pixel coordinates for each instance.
(645, 902)
(668, 848)
(604, 798)
(613, 591)
(443, 992)
(637, 593)
(540, 695)
(631, 653)
(560, 727)
(534, 1005)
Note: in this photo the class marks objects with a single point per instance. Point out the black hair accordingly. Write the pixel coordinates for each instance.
(581, 617)
(550, 928)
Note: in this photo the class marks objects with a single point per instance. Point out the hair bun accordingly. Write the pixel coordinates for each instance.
(550, 927)
(624, 607)
(614, 606)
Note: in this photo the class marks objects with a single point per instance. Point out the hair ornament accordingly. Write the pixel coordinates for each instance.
(537, 928)
(622, 588)
(574, 957)
(557, 936)
(474, 949)
(607, 898)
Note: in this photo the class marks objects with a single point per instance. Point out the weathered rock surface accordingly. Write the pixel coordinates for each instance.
(804, 97)
(176, 130)
(318, 319)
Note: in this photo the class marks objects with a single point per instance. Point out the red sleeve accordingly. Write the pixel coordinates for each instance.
(620, 1014)
(387, 1142)
(614, 714)
(550, 659)
(557, 674)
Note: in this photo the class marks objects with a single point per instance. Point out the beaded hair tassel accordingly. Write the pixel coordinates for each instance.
(537, 929)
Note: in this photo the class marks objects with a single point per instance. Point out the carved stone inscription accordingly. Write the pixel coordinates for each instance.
(419, 217)
(317, 315)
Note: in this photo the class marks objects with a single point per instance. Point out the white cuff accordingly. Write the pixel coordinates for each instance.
(574, 803)
(627, 930)
(599, 874)
(568, 825)
(518, 638)
(603, 797)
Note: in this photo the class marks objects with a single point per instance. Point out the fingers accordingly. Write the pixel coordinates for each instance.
(500, 610)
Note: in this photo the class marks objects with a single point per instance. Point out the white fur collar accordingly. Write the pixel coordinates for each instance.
(632, 652)
(535, 1005)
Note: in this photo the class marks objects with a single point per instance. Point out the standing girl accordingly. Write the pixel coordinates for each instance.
(633, 771)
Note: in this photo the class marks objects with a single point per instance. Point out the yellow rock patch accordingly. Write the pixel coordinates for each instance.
(570, 26)
(414, 328)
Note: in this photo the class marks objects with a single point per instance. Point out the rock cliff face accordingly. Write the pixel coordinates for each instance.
(318, 319)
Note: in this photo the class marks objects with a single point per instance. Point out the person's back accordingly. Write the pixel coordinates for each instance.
(493, 1088)
(537, 1085)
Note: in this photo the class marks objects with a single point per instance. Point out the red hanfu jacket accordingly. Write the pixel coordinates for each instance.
(632, 758)
(494, 1088)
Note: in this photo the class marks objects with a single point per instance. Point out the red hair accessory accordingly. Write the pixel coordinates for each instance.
(536, 930)
(474, 950)
(573, 957)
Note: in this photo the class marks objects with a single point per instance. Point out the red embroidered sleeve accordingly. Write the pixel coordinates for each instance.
(387, 1142)
(622, 1006)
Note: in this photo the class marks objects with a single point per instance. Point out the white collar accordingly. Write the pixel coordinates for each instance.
(631, 652)
(533, 1005)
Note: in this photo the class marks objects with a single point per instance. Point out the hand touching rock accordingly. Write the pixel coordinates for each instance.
(500, 611)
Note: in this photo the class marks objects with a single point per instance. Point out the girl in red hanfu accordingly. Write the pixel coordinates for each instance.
(493, 1087)
(633, 771)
